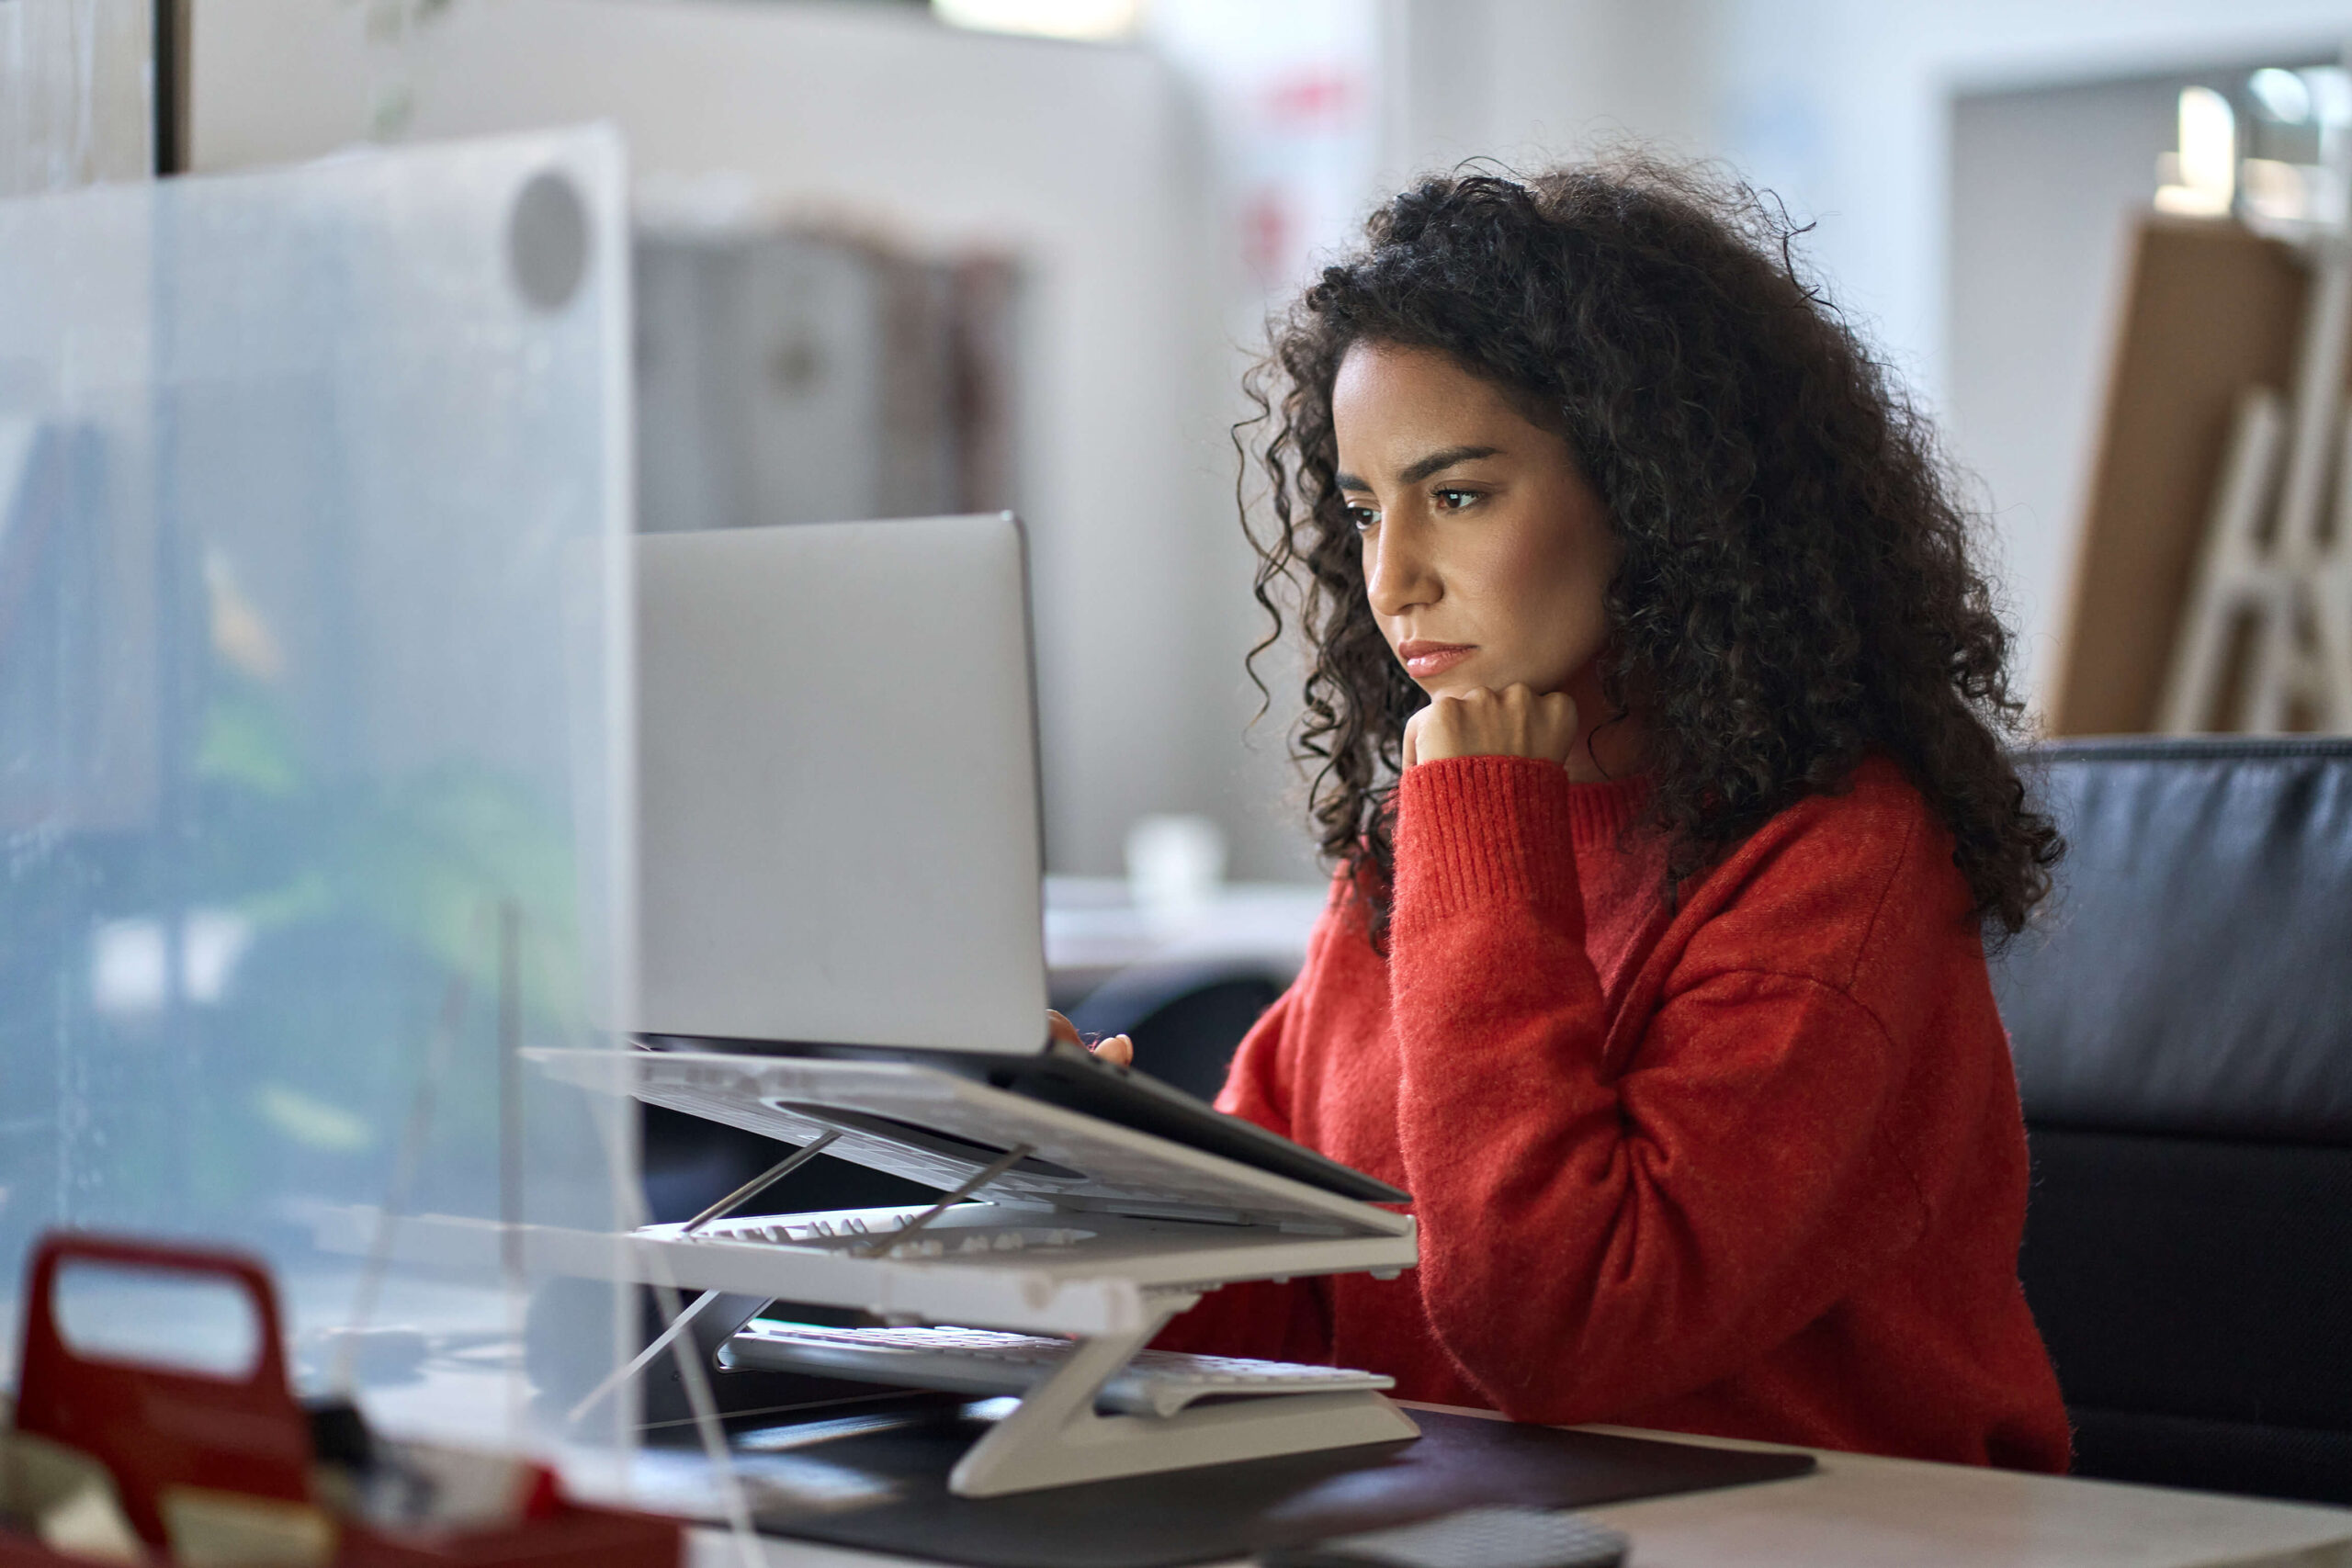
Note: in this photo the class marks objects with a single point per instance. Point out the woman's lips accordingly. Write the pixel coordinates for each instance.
(1424, 659)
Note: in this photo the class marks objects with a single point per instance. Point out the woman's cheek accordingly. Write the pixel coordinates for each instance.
(1552, 592)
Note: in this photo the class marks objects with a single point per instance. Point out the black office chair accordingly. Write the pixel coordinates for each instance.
(2181, 1018)
(1185, 1018)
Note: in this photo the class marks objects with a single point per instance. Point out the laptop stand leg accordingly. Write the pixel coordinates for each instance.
(1056, 1438)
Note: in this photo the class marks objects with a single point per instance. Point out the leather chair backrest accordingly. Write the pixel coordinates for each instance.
(2181, 1020)
(1186, 1016)
(2194, 973)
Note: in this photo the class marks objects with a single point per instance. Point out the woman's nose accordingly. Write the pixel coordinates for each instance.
(1397, 575)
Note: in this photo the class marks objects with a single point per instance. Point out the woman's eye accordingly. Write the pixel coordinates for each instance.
(1362, 518)
(1454, 500)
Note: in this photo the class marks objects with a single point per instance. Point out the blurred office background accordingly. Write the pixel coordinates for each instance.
(895, 258)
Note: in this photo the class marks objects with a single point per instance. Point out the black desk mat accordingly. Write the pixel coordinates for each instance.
(880, 1482)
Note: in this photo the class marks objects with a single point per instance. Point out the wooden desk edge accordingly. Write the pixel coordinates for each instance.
(1858, 1507)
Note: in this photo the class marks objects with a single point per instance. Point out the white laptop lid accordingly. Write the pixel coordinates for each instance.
(839, 836)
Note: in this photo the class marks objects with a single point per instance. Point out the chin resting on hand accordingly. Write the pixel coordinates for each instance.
(1513, 722)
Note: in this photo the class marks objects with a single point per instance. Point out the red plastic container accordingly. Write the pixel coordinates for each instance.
(156, 1428)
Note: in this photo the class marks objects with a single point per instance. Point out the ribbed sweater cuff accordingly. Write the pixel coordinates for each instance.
(1474, 831)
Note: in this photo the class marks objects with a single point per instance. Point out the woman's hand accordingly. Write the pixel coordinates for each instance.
(1513, 722)
(1117, 1048)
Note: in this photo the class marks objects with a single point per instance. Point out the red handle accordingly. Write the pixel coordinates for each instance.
(156, 1427)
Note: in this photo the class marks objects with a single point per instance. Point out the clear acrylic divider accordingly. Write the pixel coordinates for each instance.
(313, 731)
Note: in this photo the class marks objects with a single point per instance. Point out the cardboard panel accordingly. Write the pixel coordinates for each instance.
(2208, 309)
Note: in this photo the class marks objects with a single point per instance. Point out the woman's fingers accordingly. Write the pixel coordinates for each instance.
(1116, 1048)
(1514, 722)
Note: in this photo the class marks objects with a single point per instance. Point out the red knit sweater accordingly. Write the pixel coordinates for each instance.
(1751, 1166)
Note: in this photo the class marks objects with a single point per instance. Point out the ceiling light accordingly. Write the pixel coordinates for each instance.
(2202, 176)
(1092, 19)
(2282, 95)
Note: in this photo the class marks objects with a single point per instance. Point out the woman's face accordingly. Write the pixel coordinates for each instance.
(1486, 557)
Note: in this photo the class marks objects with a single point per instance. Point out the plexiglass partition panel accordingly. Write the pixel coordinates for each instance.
(312, 697)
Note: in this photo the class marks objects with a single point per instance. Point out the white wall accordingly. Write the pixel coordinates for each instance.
(1531, 82)
(77, 102)
(1087, 161)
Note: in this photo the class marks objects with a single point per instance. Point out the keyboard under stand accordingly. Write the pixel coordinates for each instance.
(988, 1363)
(1059, 1434)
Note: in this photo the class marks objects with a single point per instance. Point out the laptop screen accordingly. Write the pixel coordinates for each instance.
(839, 835)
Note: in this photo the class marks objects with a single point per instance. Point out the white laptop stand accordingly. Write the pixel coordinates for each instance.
(1052, 1221)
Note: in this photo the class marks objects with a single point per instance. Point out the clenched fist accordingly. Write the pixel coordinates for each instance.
(1513, 722)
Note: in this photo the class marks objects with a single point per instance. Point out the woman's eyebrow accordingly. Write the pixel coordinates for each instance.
(1438, 462)
(1435, 462)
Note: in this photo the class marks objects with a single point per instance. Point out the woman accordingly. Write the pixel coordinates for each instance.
(1659, 714)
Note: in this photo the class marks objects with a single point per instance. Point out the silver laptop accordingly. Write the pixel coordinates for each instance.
(839, 824)
(839, 834)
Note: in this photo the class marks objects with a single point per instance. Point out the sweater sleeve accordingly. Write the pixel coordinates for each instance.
(1284, 1322)
(1256, 1087)
(1597, 1235)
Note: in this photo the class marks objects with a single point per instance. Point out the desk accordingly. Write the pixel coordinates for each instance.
(1867, 1512)
(1858, 1509)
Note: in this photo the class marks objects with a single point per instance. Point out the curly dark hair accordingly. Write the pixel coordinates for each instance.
(1797, 588)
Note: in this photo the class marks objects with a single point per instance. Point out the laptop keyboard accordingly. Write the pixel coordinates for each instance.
(846, 1233)
(987, 1362)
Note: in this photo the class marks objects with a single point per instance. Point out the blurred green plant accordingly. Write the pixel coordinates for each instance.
(363, 902)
